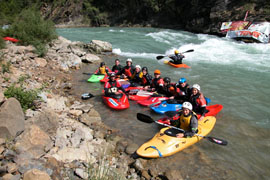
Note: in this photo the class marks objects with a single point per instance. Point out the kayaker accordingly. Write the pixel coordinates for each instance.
(136, 77)
(128, 70)
(117, 68)
(157, 82)
(167, 89)
(103, 69)
(183, 90)
(177, 57)
(187, 121)
(112, 87)
(198, 101)
(147, 78)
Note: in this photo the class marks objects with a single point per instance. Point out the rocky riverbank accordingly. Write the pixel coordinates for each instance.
(61, 137)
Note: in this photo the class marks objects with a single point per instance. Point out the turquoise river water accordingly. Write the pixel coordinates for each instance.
(234, 74)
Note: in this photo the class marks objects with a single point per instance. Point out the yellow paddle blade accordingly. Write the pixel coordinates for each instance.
(165, 62)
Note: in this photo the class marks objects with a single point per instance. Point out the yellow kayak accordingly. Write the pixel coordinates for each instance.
(162, 145)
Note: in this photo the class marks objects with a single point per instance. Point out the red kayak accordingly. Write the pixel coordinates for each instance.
(213, 110)
(119, 103)
(11, 39)
(140, 95)
(152, 101)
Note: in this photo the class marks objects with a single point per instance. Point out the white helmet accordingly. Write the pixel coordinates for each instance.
(187, 105)
(197, 86)
(138, 66)
(129, 60)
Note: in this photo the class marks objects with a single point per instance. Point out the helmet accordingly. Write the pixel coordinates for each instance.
(129, 60)
(167, 80)
(182, 80)
(112, 74)
(138, 66)
(157, 71)
(176, 51)
(187, 105)
(102, 64)
(145, 68)
(197, 86)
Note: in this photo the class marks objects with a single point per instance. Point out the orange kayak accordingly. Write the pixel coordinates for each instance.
(179, 65)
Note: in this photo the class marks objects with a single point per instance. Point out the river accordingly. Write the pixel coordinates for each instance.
(231, 73)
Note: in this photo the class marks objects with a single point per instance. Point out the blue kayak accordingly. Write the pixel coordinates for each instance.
(169, 105)
(165, 106)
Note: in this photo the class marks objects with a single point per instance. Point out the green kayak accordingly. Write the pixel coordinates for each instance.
(95, 78)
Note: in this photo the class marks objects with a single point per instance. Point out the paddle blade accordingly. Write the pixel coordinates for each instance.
(191, 50)
(144, 118)
(170, 113)
(217, 141)
(160, 57)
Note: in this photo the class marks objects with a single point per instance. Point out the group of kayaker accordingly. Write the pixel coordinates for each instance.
(191, 97)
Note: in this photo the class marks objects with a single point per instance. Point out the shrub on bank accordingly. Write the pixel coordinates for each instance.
(2, 43)
(26, 98)
(31, 29)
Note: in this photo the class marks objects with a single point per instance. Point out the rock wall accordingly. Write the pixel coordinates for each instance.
(191, 15)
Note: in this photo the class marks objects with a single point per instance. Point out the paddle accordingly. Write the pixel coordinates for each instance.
(160, 57)
(148, 119)
(87, 73)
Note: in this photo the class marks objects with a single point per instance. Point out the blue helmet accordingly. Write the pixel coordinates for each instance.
(182, 80)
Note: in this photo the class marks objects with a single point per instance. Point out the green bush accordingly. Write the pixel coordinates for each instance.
(6, 67)
(31, 29)
(2, 44)
(26, 98)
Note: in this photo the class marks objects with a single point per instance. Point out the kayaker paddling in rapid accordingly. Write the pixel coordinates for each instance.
(187, 121)
(177, 57)
(198, 101)
(128, 70)
(117, 68)
(112, 87)
(103, 69)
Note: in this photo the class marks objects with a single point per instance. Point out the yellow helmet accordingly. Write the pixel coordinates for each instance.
(176, 52)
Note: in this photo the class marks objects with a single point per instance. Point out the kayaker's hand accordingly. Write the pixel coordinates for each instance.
(117, 93)
(172, 97)
(180, 135)
(201, 118)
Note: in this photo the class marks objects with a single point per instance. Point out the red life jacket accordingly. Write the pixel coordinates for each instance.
(128, 72)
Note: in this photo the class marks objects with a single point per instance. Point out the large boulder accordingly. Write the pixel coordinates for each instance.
(48, 121)
(11, 119)
(98, 46)
(34, 141)
(35, 174)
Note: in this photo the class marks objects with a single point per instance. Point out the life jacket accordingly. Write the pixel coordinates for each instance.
(102, 70)
(136, 77)
(117, 69)
(156, 82)
(146, 79)
(127, 71)
(185, 120)
(111, 84)
(197, 101)
(182, 91)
